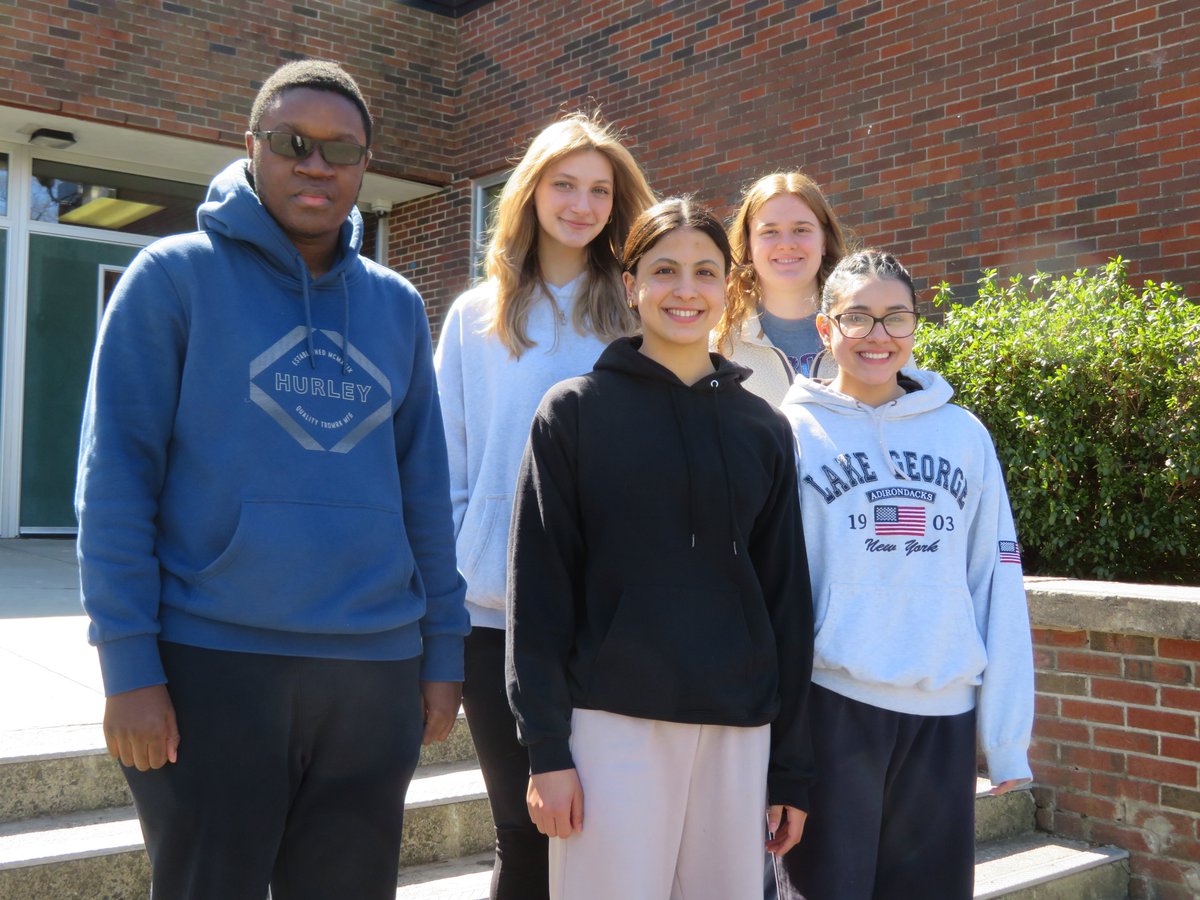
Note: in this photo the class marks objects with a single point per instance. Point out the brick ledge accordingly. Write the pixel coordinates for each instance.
(1147, 609)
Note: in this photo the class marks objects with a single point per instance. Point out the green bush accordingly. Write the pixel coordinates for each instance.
(1091, 391)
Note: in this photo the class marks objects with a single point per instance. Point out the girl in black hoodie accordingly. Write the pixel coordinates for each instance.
(659, 640)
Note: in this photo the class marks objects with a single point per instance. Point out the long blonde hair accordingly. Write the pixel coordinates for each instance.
(511, 259)
(744, 293)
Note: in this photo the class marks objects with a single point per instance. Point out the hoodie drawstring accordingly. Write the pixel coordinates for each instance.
(345, 324)
(716, 385)
(879, 436)
(312, 352)
(687, 460)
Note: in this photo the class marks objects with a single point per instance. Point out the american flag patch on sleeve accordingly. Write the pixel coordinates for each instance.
(1010, 552)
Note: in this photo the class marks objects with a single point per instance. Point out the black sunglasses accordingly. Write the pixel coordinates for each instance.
(296, 146)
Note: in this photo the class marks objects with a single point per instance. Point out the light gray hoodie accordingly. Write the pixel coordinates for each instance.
(488, 400)
(916, 577)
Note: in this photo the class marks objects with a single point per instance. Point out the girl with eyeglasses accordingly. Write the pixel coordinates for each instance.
(922, 631)
(786, 240)
(552, 300)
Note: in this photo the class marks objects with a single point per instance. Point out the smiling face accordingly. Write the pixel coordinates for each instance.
(573, 200)
(787, 244)
(309, 198)
(678, 289)
(867, 366)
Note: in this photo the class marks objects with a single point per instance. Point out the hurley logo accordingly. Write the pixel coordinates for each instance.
(323, 407)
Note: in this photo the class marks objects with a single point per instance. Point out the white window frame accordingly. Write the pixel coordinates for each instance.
(479, 189)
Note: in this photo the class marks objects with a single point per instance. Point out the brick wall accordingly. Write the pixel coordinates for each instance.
(192, 67)
(964, 135)
(1116, 752)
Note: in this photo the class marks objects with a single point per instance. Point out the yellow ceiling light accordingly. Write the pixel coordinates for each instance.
(109, 212)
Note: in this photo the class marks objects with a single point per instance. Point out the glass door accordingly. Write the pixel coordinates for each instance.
(70, 279)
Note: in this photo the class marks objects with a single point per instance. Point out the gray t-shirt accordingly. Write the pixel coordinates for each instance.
(797, 338)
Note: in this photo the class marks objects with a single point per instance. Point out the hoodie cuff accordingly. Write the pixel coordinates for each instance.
(130, 663)
(442, 658)
(1008, 762)
(550, 756)
(787, 792)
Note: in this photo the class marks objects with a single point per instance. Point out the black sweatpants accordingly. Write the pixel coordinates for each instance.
(892, 812)
(292, 772)
(522, 869)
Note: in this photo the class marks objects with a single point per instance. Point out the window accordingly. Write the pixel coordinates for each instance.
(485, 193)
(115, 201)
(3, 184)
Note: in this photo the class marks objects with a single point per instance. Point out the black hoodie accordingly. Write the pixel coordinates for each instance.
(657, 565)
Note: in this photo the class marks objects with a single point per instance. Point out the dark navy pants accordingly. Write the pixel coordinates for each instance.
(521, 870)
(291, 773)
(892, 812)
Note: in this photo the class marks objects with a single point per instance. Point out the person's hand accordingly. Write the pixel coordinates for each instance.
(140, 729)
(555, 801)
(1005, 786)
(440, 700)
(786, 823)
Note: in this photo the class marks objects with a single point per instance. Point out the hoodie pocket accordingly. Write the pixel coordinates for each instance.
(311, 567)
(910, 636)
(486, 561)
(675, 649)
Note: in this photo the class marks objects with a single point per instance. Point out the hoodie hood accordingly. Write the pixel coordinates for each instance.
(624, 355)
(233, 210)
(925, 391)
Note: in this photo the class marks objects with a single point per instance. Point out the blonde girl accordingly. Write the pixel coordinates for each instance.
(552, 300)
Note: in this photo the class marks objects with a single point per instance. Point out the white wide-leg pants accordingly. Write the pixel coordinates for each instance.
(670, 811)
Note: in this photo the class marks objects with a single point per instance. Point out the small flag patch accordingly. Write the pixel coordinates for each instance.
(906, 520)
(1010, 552)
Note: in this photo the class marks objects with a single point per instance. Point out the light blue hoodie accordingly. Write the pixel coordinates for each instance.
(488, 400)
(916, 569)
(262, 465)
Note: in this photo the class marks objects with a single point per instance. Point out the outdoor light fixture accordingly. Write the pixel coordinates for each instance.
(102, 209)
(55, 140)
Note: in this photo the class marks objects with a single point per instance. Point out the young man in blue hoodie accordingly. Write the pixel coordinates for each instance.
(265, 535)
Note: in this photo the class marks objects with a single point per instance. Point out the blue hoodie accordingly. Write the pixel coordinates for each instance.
(262, 465)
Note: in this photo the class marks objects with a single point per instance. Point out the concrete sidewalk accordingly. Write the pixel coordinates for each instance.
(50, 675)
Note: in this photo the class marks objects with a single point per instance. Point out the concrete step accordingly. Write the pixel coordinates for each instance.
(1042, 867)
(53, 771)
(100, 854)
(1028, 867)
(1004, 816)
(466, 878)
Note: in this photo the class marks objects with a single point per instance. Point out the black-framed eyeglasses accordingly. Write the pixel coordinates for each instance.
(899, 324)
(296, 146)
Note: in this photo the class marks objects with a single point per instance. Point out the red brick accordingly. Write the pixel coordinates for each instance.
(1108, 713)
(1162, 771)
(1092, 663)
(1087, 805)
(1106, 785)
(1138, 693)
(1174, 649)
(1129, 644)
(1180, 748)
(1130, 741)
(1092, 759)
(1180, 698)
(1151, 720)
(1055, 638)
